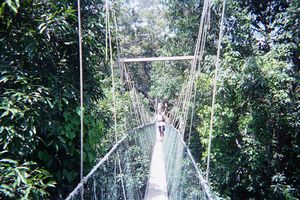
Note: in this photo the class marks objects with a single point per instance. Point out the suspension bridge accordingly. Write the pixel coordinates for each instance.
(171, 172)
(139, 166)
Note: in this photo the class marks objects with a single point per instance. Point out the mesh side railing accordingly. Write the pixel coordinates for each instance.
(123, 172)
(184, 179)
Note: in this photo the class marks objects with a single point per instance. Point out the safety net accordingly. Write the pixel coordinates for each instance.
(122, 173)
(184, 179)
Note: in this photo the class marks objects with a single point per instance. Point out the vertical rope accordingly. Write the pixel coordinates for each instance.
(114, 96)
(192, 115)
(136, 99)
(131, 93)
(106, 30)
(198, 53)
(112, 71)
(122, 179)
(81, 93)
(177, 111)
(201, 52)
(214, 91)
(118, 54)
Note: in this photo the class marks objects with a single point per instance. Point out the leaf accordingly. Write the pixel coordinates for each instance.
(65, 100)
(17, 3)
(6, 160)
(70, 42)
(51, 184)
(27, 191)
(4, 79)
(12, 6)
(29, 163)
(66, 115)
(50, 104)
(5, 113)
(78, 110)
(2, 9)
(91, 157)
(62, 140)
(21, 175)
(42, 29)
(70, 134)
(8, 190)
(3, 152)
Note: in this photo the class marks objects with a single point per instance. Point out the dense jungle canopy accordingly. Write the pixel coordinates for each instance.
(256, 142)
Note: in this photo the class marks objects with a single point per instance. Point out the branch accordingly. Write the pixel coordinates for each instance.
(146, 95)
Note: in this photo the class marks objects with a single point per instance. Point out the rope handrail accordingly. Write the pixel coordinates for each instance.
(182, 157)
(199, 172)
(104, 159)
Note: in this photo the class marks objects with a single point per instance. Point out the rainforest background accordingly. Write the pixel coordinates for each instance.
(255, 147)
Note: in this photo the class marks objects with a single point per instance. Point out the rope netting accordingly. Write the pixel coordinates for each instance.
(122, 173)
(184, 179)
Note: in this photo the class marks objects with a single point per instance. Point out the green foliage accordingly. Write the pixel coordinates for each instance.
(143, 28)
(25, 181)
(166, 82)
(256, 125)
(256, 134)
(39, 86)
(21, 106)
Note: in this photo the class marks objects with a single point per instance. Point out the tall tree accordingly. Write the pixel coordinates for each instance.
(39, 90)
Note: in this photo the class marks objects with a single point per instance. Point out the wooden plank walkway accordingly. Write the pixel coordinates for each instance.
(157, 185)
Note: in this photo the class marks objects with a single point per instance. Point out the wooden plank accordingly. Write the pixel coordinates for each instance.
(151, 59)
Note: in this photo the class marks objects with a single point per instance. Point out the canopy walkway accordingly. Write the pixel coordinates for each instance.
(157, 184)
(123, 173)
(128, 171)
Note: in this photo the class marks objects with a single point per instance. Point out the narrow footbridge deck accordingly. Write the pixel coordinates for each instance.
(157, 185)
(139, 166)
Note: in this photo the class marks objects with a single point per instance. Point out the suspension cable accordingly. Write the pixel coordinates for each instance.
(214, 90)
(112, 70)
(187, 94)
(135, 100)
(115, 117)
(81, 91)
(201, 52)
(192, 115)
(106, 30)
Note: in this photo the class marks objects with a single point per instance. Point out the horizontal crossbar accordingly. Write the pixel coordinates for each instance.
(150, 59)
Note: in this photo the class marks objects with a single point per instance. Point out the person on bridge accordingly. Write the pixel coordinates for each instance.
(161, 124)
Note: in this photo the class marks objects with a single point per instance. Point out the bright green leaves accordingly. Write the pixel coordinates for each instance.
(39, 86)
(58, 22)
(254, 137)
(255, 117)
(13, 5)
(18, 127)
(25, 181)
